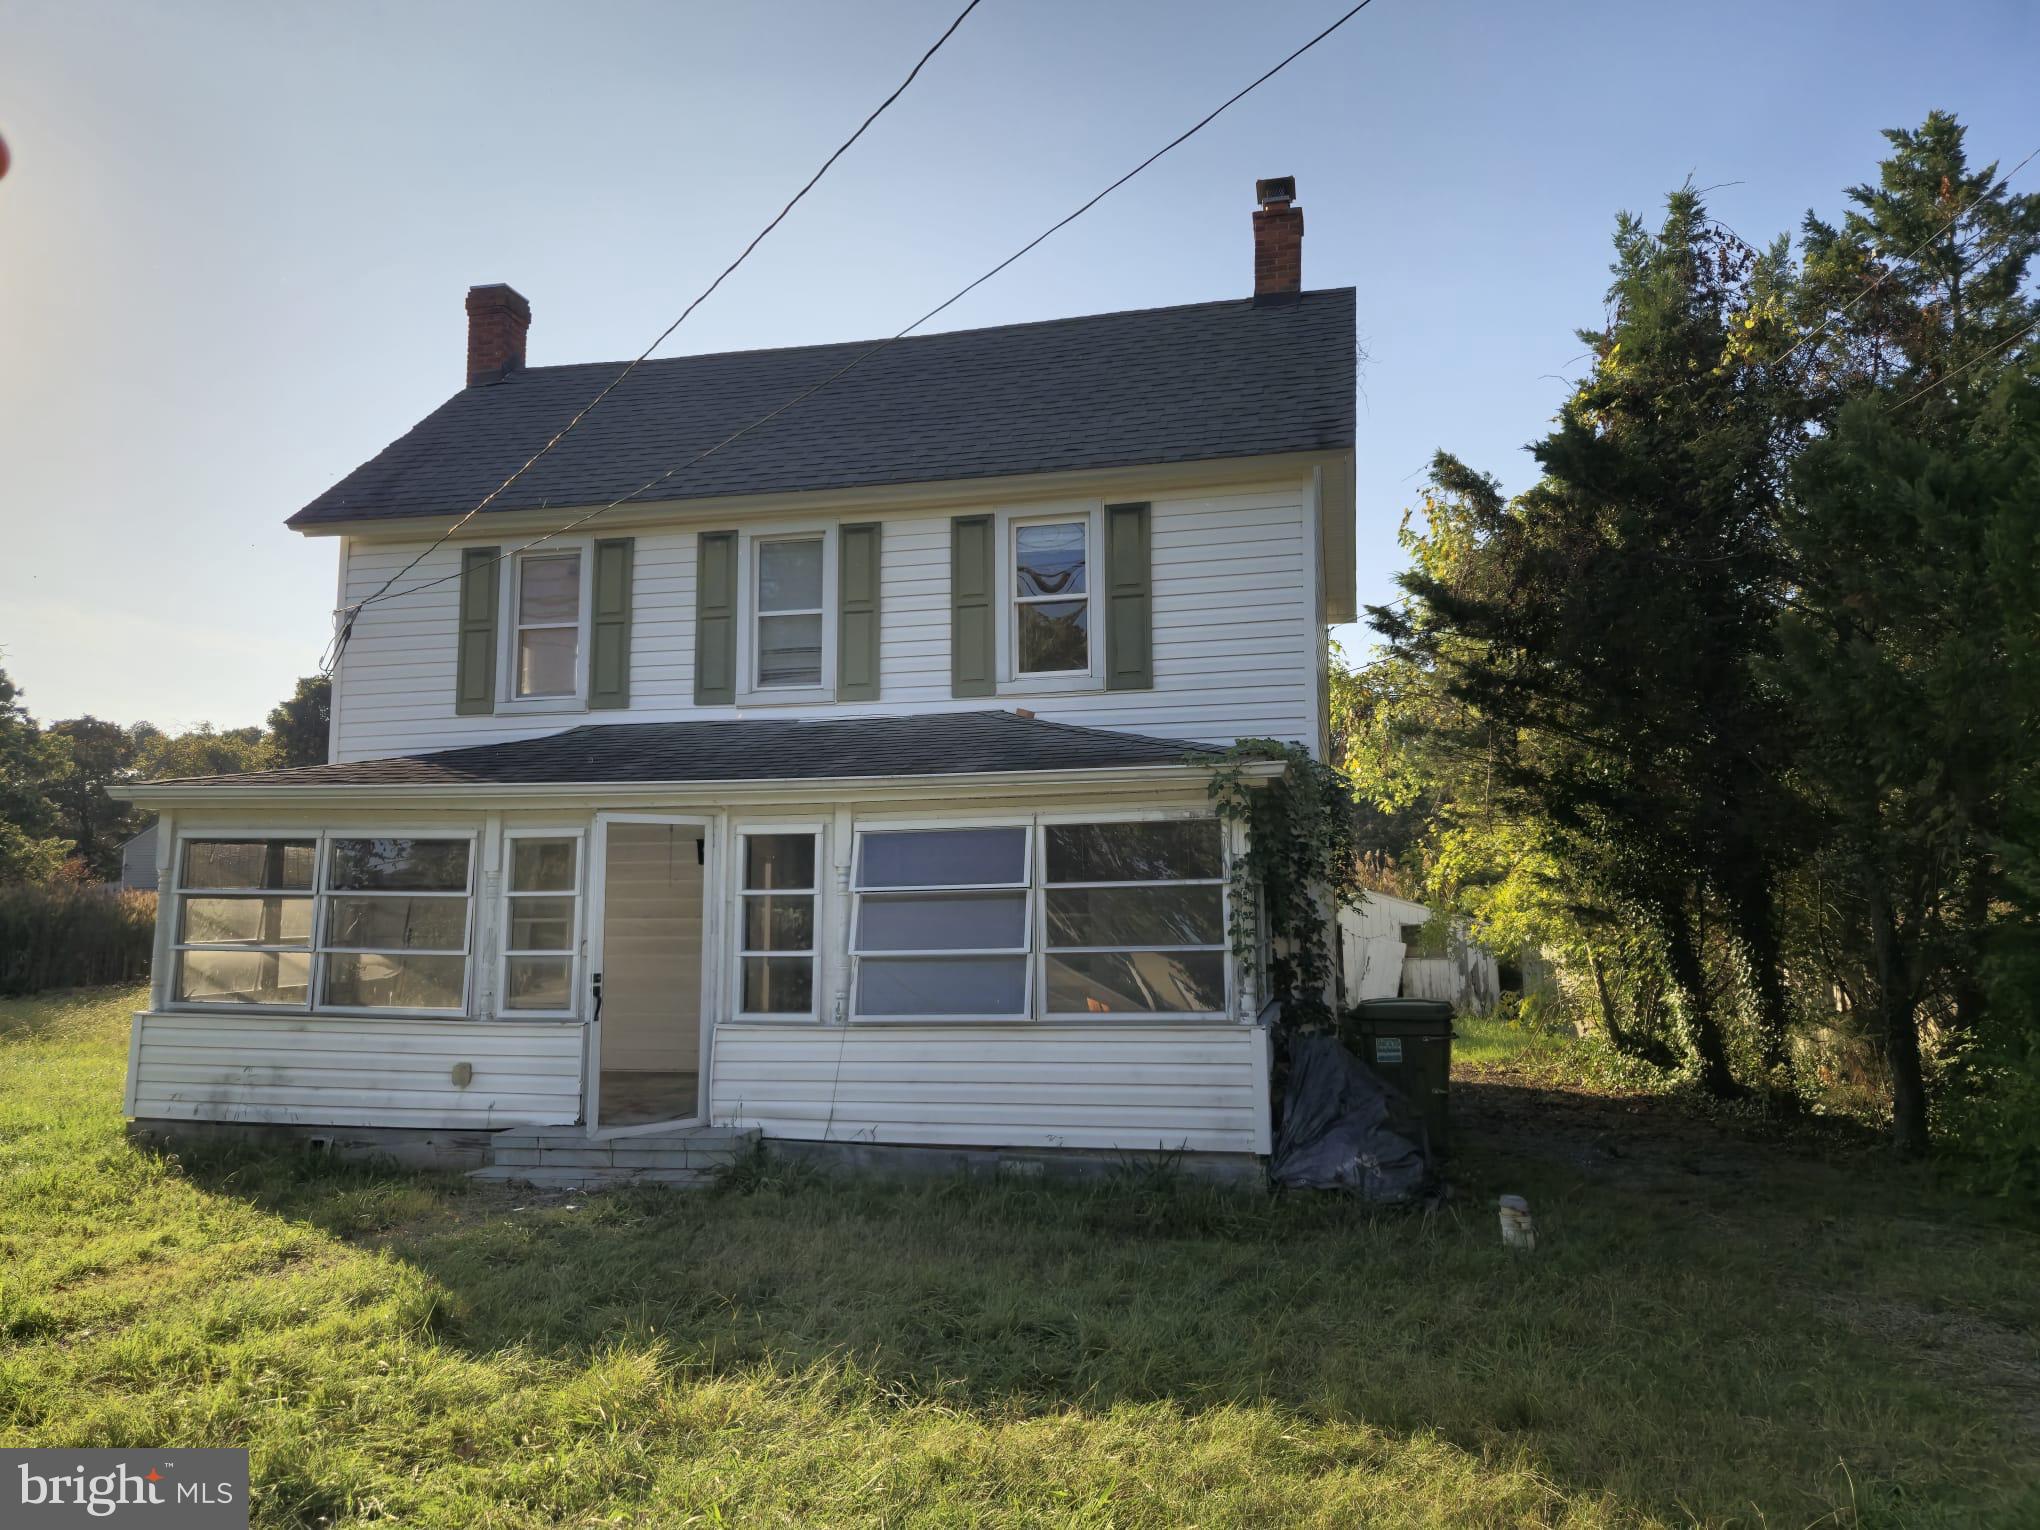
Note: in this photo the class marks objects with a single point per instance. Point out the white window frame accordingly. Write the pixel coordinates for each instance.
(1024, 886)
(577, 948)
(749, 691)
(1006, 570)
(320, 950)
(818, 892)
(321, 894)
(577, 700)
(179, 945)
(1223, 881)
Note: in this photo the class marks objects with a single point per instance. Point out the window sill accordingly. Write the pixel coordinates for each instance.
(785, 696)
(511, 705)
(1051, 685)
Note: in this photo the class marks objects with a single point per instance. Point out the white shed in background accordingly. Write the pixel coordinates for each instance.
(1376, 942)
(138, 860)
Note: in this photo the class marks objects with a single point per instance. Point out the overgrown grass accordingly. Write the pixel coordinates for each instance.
(1811, 1345)
(64, 935)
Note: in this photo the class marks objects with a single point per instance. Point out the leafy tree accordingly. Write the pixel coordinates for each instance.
(298, 727)
(32, 846)
(1911, 636)
(102, 754)
(205, 751)
(1607, 626)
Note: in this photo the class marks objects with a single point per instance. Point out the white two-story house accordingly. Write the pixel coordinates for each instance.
(843, 776)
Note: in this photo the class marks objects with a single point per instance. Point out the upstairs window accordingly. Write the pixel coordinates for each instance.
(1051, 598)
(545, 655)
(789, 606)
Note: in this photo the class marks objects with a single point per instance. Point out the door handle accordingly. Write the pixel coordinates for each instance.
(596, 982)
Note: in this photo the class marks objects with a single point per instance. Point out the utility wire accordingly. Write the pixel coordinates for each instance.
(1885, 275)
(617, 381)
(1940, 382)
(898, 335)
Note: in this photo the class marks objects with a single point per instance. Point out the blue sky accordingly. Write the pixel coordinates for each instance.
(236, 237)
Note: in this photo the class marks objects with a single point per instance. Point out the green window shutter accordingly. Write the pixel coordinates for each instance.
(474, 684)
(715, 618)
(609, 656)
(1129, 599)
(857, 613)
(972, 637)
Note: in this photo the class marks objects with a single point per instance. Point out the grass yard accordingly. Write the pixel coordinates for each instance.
(1711, 1331)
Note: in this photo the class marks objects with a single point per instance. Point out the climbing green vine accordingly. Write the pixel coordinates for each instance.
(1299, 864)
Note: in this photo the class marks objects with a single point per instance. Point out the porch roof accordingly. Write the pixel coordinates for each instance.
(749, 749)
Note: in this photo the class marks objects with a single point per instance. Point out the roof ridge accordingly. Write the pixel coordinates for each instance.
(937, 334)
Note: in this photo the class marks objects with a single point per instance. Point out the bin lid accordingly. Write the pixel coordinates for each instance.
(1438, 1011)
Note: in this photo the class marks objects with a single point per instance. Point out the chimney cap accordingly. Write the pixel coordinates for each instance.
(1275, 191)
(498, 295)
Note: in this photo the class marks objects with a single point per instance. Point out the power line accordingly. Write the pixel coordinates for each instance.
(617, 381)
(898, 335)
(1940, 382)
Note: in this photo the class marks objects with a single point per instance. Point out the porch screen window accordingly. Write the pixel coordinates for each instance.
(1051, 599)
(941, 922)
(1133, 918)
(790, 612)
(244, 921)
(541, 941)
(395, 933)
(776, 932)
(548, 611)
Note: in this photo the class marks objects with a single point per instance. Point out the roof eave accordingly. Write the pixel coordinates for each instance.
(171, 794)
(1127, 478)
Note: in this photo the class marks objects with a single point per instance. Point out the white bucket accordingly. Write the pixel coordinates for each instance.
(1518, 1231)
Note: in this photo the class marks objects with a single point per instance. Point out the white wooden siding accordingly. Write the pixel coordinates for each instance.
(651, 948)
(1127, 1087)
(340, 1072)
(1236, 638)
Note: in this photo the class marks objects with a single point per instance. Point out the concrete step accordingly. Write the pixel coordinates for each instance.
(565, 1158)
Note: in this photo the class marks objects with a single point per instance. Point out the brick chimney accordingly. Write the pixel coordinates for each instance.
(498, 316)
(1278, 241)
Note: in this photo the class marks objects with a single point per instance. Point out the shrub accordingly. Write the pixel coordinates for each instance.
(62, 935)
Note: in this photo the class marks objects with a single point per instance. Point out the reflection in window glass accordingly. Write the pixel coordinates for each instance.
(1171, 850)
(943, 858)
(543, 940)
(776, 925)
(249, 863)
(420, 865)
(1051, 616)
(1154, 945)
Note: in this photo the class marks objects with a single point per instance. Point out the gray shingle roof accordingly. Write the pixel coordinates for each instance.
(1158, 385)
(943, 743)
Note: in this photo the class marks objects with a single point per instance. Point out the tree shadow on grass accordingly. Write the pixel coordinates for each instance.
(1683, 1345)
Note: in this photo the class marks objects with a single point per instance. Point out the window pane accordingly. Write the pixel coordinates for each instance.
(941, 921)
(545, 661)
(789, 650)
(538, 982)
(421, 865)
(549, 588)
(249, 921)
(782, 923)
(243, 977)
(945, 985)
(397, 924)
(541, 924)
(1136, 916)
(1053, 636)
(357, 981)
(779, 985)
(1138, 981)
(942, 857)
(1179, 850)
(542, 865)
(790, 575)
(284, 863)
(1049, 560)
(773, 861)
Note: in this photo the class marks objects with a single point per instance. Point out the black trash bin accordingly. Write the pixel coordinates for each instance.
(1409, 1043)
